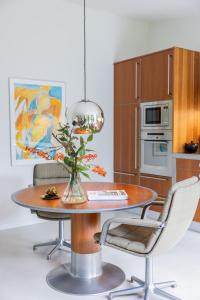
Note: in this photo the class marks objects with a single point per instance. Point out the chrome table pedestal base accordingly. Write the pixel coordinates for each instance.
(58, 243)
(86, 275)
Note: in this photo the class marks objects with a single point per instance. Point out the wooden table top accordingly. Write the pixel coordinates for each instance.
(137, 196)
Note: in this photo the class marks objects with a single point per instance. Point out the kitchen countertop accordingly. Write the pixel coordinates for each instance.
(195, 156)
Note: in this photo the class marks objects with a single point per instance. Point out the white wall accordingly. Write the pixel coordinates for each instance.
(182, 32)
(43, 40)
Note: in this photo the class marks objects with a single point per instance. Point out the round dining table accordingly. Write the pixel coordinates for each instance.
(86, 274)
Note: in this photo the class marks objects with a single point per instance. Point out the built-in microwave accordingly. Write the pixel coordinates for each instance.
(157, 114)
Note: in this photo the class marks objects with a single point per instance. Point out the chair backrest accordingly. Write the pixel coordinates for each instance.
(177, 213)
(49, 173)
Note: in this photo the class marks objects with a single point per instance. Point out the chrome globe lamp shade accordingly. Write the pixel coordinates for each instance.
(85, 116)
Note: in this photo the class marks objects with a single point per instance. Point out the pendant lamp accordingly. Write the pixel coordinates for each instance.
(85, 116)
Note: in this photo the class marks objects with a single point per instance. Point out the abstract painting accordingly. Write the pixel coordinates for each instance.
(36, 107)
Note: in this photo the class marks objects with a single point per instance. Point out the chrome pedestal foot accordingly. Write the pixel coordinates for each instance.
(86, 275)
(58, 243)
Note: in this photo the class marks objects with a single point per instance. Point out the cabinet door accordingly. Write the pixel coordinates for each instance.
(127, 81)
(186, 168)
(157, 76)
(126, 142)
(160, 184)
(126, 178)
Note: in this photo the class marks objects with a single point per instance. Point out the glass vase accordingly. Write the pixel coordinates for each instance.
(74, 194)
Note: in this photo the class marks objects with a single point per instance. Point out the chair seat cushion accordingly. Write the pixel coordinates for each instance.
(52, 216)
(132, 238)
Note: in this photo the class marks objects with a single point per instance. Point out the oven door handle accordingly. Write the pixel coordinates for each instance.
(156, 141)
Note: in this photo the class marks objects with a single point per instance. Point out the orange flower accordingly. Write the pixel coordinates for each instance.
(59, 156)
(99, 170)
(88, 157)
(81, 131)
(38, 152)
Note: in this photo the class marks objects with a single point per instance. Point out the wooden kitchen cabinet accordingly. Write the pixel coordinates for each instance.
(157, 76)
(126, 178)
(186, 168)
(127, 81)
(160, 184)
(126, 138)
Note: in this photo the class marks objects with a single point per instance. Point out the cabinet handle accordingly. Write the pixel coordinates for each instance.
(148, 177)
(136, 130)
(168, 74)
(136, 80)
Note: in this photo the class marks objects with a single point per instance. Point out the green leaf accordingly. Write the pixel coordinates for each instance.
(85, 174)
(82, 152)
(81, 141)
(90, 138)
(69, 162)
(80, 149)
(82, 168)
(89, 150)
(63, 139)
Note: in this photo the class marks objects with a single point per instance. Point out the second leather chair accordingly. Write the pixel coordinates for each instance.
(51, 173)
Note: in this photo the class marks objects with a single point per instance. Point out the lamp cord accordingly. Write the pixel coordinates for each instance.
(85, 75)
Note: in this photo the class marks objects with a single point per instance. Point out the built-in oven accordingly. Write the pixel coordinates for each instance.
(156, 152)
(157, 114)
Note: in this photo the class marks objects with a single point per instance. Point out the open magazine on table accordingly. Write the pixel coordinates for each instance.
(107, 195)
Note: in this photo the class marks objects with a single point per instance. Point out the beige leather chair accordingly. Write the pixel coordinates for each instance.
(148, 238)
(50, 173)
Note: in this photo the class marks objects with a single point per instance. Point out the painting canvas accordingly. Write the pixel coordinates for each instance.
(36, 108)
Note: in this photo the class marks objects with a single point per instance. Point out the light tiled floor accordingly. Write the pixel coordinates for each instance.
(23, 272)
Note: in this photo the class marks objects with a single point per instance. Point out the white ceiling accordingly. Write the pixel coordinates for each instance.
(149, 10)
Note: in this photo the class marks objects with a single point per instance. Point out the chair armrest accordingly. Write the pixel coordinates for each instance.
(157, 202)
(128, 221)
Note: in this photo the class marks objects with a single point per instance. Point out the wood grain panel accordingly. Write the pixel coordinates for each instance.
(186, 168)
(187, 164)
(186, 98)
(126, 138)
(157, 76)
(126, 178)
(160, 184)
(127, 81)
(83, 228)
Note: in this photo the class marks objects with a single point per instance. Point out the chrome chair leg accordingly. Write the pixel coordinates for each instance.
(130, 291)
(147, 286)
(58, 243)
(57, 247)
(51, 243)
(66, 244)
(166, 284)
(165, 294)
(137, 280)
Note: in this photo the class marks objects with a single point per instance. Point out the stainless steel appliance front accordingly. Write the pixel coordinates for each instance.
(157, 114)
(156, 152)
